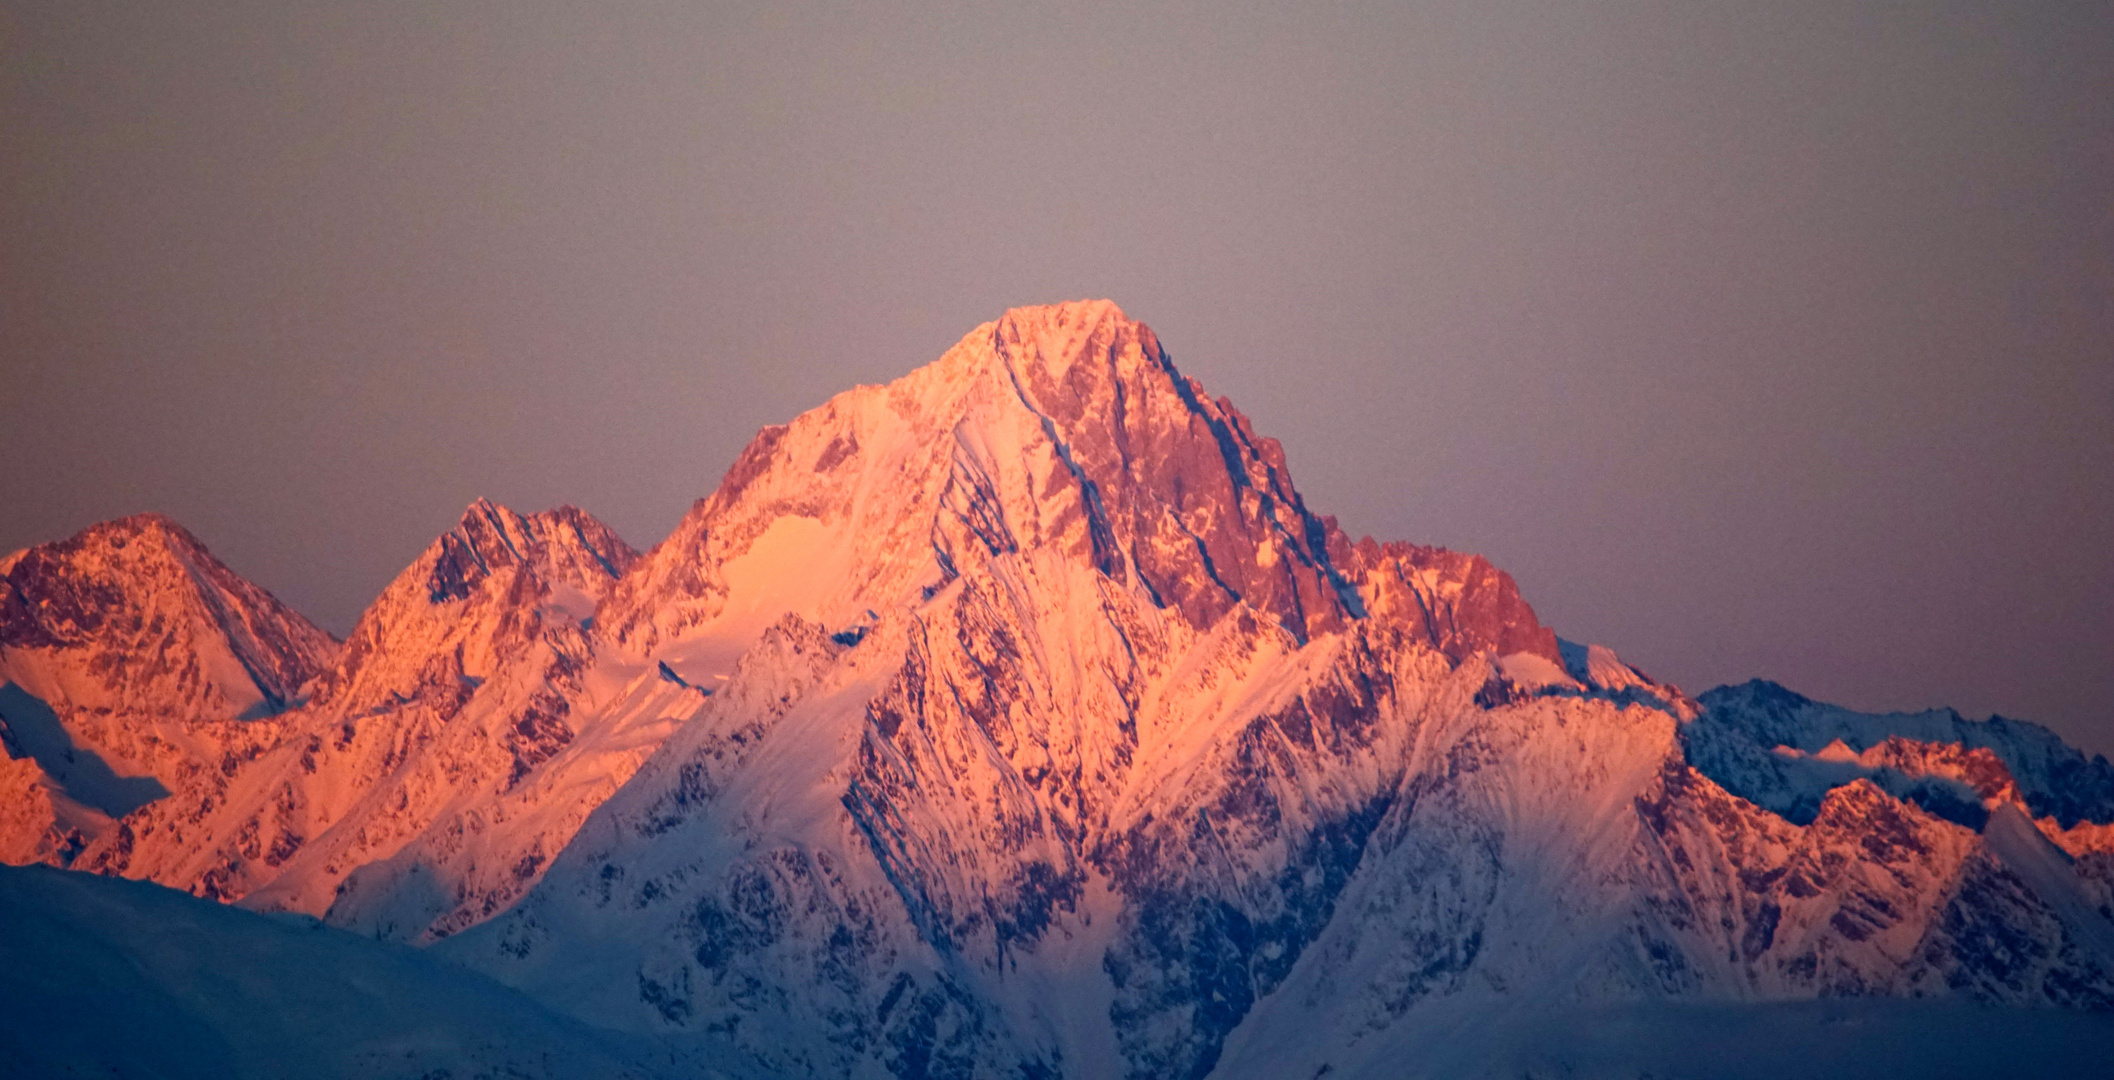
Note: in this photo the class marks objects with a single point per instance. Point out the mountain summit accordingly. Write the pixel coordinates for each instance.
(1061, 429)
(130, 659)
(1019, 718)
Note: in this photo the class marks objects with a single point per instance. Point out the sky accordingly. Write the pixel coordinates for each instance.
(1755, 340)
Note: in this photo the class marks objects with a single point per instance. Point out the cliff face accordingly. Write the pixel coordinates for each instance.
(1019, 718)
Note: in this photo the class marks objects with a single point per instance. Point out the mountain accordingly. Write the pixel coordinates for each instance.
(408, 783)
(1997, 777)
(1019, 718)
(454, 747)
(1776, 748)
(132, 663)
(1070, 742)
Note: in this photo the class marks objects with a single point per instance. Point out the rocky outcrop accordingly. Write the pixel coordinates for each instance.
(1460, 603)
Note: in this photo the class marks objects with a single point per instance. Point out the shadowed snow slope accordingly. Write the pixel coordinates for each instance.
(122, 978)
(1018, 718)
(1831, 1039)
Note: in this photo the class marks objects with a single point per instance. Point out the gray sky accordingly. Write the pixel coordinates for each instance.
(1771, 339)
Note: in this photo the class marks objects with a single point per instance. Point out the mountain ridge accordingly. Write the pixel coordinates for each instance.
(1018, 716)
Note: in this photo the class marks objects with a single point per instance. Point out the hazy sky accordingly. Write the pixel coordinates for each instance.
(1769, 339)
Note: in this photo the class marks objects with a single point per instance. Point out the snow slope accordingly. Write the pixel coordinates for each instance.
(121, 978)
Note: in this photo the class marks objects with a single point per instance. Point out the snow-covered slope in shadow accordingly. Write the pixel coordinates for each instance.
(105, 977)
(1832, 1039)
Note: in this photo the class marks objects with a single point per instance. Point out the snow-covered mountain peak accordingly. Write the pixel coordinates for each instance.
(468, 704)
(486, 587)
(136, 615)
(1046, 342)
(1062, 432)
(563, 546)
(131, 661)
(1204, 508)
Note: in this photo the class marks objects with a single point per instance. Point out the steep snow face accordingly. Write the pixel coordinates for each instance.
(132, 663)
(462, 737)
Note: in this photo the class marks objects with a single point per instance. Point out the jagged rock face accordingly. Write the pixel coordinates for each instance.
(1061, 431)
(36, 824)
(470, 598)
(2018, 913)
(133, 663)
(1836, 907)
(1204, 510)
(1460, 602)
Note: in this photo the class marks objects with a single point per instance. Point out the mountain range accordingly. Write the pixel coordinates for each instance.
(1019, 718)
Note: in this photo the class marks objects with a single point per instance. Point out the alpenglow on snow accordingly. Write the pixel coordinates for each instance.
(1019, 718)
